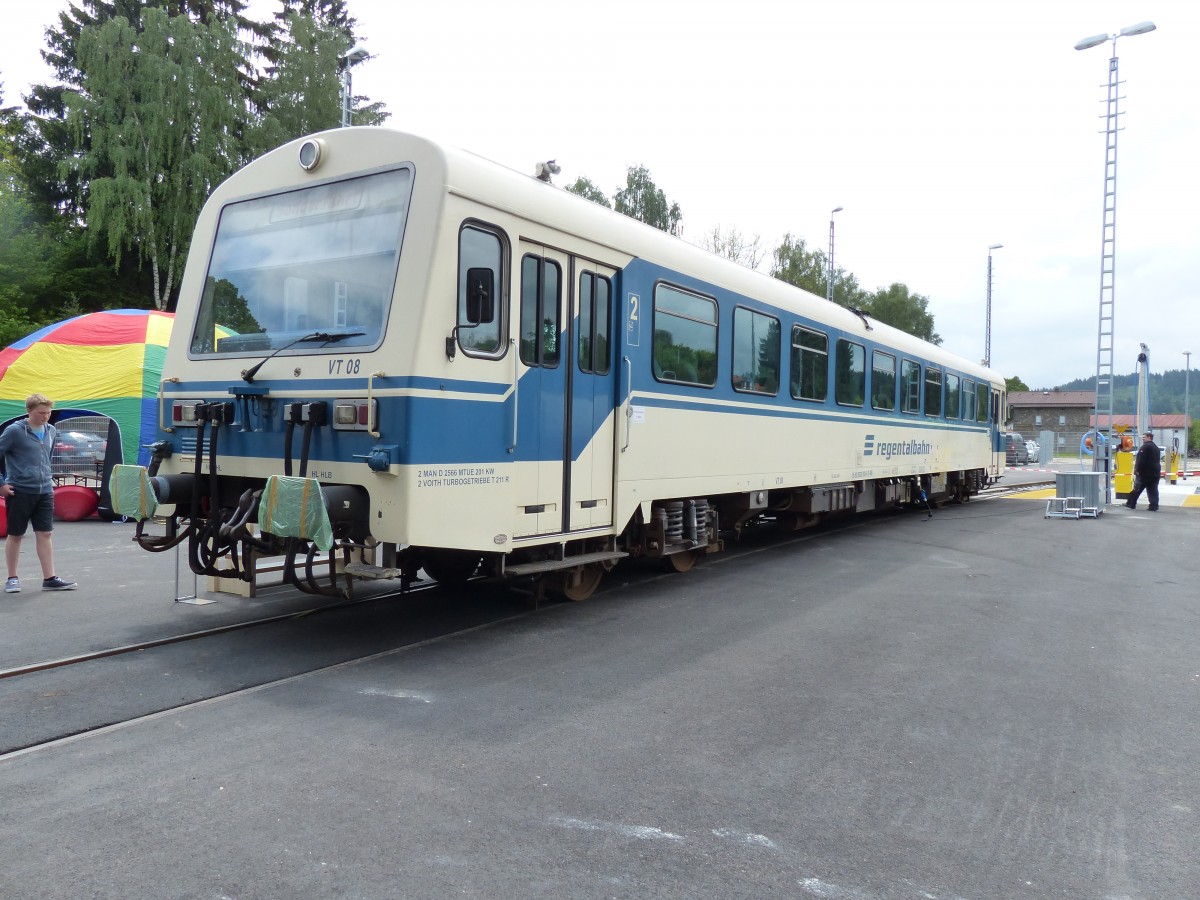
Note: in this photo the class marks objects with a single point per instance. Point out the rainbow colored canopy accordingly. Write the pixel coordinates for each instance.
(107, 363)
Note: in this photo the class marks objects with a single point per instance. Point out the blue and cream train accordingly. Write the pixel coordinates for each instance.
(462, 368)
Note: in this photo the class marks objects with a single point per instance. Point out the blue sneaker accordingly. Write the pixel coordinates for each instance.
(56, 584)
(12, 586)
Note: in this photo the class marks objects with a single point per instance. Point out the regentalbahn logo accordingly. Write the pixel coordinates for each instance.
(888, 449)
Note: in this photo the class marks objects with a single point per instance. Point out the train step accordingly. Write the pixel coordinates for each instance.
(553, 565)
(368, 572)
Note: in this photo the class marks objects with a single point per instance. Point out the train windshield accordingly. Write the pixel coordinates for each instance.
(293, 267)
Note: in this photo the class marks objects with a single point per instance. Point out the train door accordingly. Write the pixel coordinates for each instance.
(593, 390)
(543, 370)
(565, 391)
(998, 429)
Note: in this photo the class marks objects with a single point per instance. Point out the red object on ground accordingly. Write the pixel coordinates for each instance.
(73, 502)
(3, 519)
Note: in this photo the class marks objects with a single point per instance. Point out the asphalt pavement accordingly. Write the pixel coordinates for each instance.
(976, 703)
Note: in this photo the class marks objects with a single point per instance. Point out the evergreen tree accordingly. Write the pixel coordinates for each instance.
(302, 91)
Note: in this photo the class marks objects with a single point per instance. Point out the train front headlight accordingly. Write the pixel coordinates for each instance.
(354, 414)
(310, 154)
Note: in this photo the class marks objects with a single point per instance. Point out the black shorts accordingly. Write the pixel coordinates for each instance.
(24, 508)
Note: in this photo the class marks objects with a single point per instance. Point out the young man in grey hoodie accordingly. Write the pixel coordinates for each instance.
(28, 492)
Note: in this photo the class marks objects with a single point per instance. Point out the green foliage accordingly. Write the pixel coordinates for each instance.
(1167, 391)
(586, 189)
(148, 167)
(1015, 384)
(794, 263)
(643, 200)
(897, 307)
(304, 93)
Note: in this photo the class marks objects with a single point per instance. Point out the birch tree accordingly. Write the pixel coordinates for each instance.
(156, 121)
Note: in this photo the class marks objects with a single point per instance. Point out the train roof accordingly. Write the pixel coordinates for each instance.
(470, 175)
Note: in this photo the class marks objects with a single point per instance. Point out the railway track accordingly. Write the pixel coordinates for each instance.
(30, 668)
(76, 676)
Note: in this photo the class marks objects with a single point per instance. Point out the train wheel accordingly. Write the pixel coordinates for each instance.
(578, 584)
(450, 567)
(681, 562)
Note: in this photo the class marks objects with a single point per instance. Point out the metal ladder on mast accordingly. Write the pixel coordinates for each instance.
(1104, 341)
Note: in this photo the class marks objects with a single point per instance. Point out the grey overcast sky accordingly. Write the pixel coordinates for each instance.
(940, 127)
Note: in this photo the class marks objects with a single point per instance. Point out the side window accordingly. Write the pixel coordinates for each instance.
(541, 292)
(933, 391)
(883, 380)
(810, 364)
(851, 385)
(968, 412)
(953, 404)
(482, 299)
(910, 387)
(981, 402)
(755, 352)
(595, 314)
(685, 337)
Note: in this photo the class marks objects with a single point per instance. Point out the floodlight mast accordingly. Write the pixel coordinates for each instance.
(987, 338)
(829, 274)
(1104, 341)
(351, 57)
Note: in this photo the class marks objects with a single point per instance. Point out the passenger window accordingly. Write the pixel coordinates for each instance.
(541, 292)
(595, 313)
(810, 364)
(910, 387)
(755, 352)
(850, 386)
(952, 396)
(968, 412)
(981, 401)
(933, 391)
(481, 261)
(883, 380)
(685, 337)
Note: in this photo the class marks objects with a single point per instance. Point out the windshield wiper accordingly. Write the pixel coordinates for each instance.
(323, 337)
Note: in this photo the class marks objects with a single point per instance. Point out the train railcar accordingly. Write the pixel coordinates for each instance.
(390, 355)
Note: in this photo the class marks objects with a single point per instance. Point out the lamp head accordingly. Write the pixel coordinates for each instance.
(355, 54)
(995, 246)
(1094, 41)
(837, 209)
(1139, 28)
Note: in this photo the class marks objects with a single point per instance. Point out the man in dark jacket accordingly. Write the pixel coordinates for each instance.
(1146, 473)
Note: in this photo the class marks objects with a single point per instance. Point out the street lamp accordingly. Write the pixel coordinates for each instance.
(1104, 339)
(1187, 412)
(351, 57)
(829, 278)
(987, 339)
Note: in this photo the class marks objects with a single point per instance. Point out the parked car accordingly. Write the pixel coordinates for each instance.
(77, 453)
(1035, 451)
(1015, 452)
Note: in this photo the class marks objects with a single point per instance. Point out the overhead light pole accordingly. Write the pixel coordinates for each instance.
(829, 276)
(1187, 410)
(351, 57)
(987, 337)
(1104, 340)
